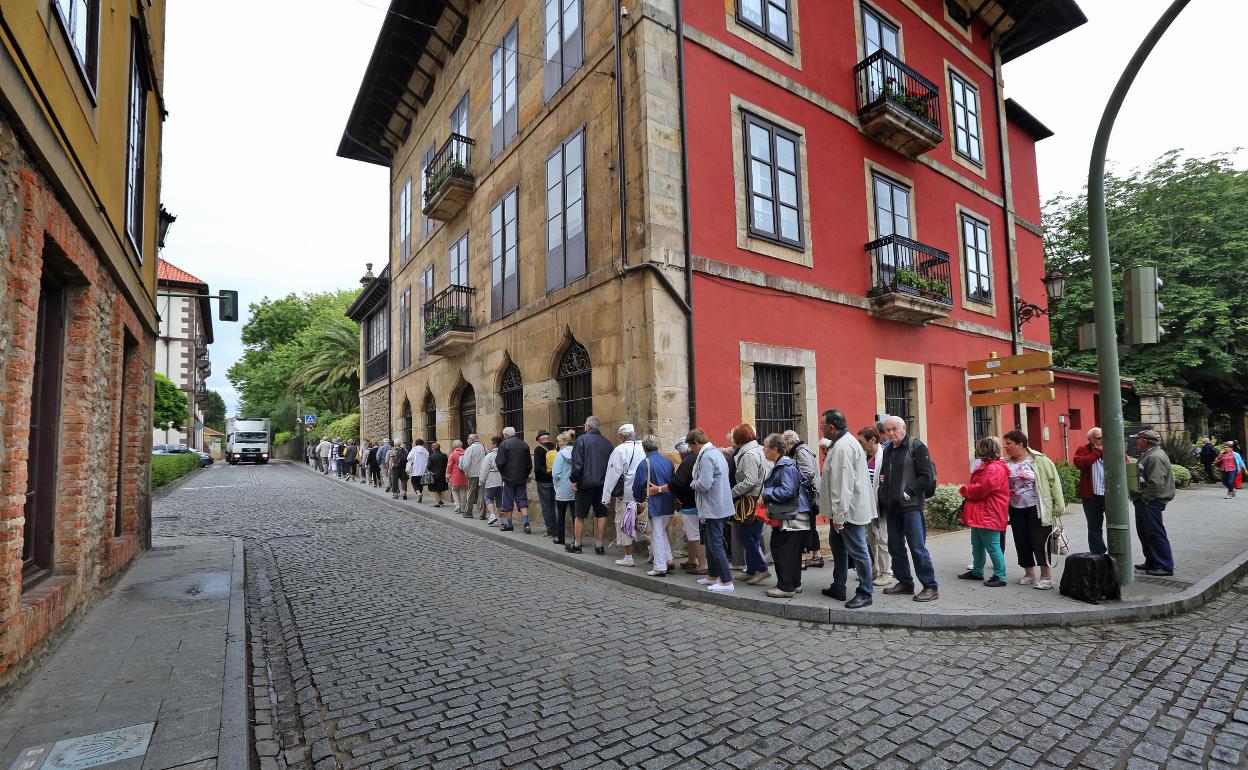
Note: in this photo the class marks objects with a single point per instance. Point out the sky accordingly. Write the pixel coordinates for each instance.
(258, 97)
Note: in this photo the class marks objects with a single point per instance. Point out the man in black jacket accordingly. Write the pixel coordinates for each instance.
(590, 455)
(545, 482)
(1207, 455)
(905, 474)
(514, 465)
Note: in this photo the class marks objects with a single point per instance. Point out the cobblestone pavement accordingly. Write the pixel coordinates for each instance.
(389, 640)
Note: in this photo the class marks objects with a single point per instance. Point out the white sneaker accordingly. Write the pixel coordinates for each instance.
(492, 522)
(882, 580)
(1043, 584)
(717, 587)
(627, 561)
(706, 581)
(657, 573)
(1026, 580)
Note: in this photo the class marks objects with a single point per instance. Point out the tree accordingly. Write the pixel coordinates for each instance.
(1189, 218)
(336, 360)
(214, 412)
(170, 406)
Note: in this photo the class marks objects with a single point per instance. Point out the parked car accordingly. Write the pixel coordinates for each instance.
(205, 459)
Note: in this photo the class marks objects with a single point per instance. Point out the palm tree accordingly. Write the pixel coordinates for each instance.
(334, 362)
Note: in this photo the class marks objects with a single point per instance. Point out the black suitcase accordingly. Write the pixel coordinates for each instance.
(1091, 577)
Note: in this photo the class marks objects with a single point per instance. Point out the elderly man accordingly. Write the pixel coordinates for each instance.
(618, 484)
(1156, 489)
(905, 474)
(1090, 461)
(514, 465)
(845, 498)
(590, 455)
(471, 463)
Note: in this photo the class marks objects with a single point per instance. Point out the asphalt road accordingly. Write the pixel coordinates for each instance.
(383, 639)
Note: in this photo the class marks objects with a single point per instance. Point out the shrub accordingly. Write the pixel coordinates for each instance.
(1069, 476)
(282, 436)
(941, 511)
(167, 468)
(1182, 453)
(344, 428)
(1182, 476)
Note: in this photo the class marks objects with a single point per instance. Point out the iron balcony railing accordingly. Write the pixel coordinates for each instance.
(883, 77)
(903, 266)
(376, 367)
(454, 159)
(450, 310)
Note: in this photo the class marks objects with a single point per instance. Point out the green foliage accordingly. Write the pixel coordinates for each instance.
(1182, 476)
(454, 167)
(344, 428)
(941, 511)
(167, 468)
(443, 319)
(335, 358)
(1190, 219)
(169, 408)
(214, 411)
(914, 280)
(1069, 476)
(1182, 454)
(282, 436)
(917, 102)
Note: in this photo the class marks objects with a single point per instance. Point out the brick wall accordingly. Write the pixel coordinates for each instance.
(35, 227)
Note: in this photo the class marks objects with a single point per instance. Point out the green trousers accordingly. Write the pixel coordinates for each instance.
(988, 540)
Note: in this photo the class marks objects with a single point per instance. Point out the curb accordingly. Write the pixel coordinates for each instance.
(1198, 595)
(233, 743)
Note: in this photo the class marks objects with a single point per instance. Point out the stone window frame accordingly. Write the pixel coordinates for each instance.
(969, 303)
(918, 373)
(804, 255)
(458, 262)
(774, 135)
(955, 25)
(559, 218)
(871, 170)
(800, 359)
(979, 168)
(860, 37)
(789, 53)
(501, 282)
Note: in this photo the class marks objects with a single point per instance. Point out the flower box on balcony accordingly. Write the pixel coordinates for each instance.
(897, 106)
(911, 281)
(449, 182)
(448, 321)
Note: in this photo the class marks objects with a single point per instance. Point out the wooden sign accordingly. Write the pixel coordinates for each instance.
(1041, 360)
(1034, 396)
(1042, 377)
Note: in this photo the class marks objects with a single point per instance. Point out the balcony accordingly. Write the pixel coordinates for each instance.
(897, 107)
(448, 321)
(912, 283)
(448, 179)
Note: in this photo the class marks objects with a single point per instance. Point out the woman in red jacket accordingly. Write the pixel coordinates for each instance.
(987, 512)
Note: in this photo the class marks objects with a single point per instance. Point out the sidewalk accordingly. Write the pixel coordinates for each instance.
(153, 677)
(1209, 537)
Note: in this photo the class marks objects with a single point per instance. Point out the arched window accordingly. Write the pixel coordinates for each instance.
(405, 422)
(575, 392)
(512, 391)
(467, 412)
(431, 419)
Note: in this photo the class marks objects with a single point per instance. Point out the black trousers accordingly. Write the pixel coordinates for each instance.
(1030, 536)
(786, 555)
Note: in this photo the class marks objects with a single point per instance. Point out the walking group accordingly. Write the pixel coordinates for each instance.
(871, 486)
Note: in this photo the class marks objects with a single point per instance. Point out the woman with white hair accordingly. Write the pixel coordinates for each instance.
(565, 495)
(652, 484)
(807, 463)
(417, 464)
(695, 560)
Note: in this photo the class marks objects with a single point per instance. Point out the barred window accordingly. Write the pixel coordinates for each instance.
(431, 419)
(775, 399)
(981, 422)
(900, 400)
(512, 391)
(576, 401)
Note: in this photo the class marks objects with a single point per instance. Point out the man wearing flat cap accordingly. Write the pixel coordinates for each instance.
(1156, 489)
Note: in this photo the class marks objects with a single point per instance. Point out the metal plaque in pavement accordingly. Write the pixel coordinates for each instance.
(89, 750)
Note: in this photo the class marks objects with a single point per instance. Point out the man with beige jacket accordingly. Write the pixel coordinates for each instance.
(846, 498)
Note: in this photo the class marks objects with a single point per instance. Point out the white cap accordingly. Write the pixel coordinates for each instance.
(627, 429)
(825, 442)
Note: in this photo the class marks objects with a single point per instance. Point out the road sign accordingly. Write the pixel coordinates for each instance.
(309, 419)
(1042, 377)
(1041, 360)
(1033, 396)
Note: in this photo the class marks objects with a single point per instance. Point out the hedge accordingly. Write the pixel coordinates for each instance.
(167, 468)
(1069, 475)
(941, 511)
(1182, 476)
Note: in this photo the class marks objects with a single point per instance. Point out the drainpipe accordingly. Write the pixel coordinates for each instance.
(1006, 206)
(685, 301)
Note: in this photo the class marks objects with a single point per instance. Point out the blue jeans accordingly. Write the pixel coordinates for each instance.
(752, 544)
(1094, 511)
(907, 530)
(716, 557)
(1152, 532)
(851, 543)
(1228, 481)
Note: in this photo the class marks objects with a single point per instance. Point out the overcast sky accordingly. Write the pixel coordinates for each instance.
(258, 95)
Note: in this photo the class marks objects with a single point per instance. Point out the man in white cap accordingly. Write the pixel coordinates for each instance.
(618, 485)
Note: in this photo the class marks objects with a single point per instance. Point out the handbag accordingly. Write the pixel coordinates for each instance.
(618, 489)
(782, 511)
(744, 509)
(1057, 543)
(427, 478)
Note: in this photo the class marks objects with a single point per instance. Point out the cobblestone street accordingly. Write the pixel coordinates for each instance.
(393, 641)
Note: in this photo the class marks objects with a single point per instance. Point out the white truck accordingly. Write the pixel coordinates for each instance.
(247, 440)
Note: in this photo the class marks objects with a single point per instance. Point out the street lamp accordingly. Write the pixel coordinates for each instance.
(1054, 290)
(164, 219)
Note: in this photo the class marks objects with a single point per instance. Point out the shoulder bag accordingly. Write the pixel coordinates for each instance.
(618, 489)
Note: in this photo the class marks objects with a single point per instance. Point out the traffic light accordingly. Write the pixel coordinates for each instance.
(1141, 312)
(228, 309)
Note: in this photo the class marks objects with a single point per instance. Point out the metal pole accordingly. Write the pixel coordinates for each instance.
(1116, 508)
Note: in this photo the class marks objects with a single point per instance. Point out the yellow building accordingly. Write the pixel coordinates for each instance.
(81, 112)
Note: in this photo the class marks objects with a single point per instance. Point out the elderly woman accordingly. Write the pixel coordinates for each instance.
(417, 464)
(695, 559)
(714, 499)
(397, 460)
(1035, 499)
(807, 461)
(986, 511)
(751, 466)
(437, 469)
(456, 477)
(492, 481)
(787, 496)
(561, 472)
(652, 483)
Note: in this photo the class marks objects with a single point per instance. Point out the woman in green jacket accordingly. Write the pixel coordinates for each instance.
(1035, 501)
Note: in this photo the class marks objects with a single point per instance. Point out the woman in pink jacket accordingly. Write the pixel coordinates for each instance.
(456, 476)
(987, 512)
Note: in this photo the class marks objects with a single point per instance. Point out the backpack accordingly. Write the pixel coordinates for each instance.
(931, 486)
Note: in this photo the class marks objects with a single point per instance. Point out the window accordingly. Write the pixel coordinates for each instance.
(576, 402)
(425, 286)
(431, 419)
(467, 412)
(504, 113)
(504, 275)
(981, 421)
(879, 33)
(378, 334)
(405, 220)
(1076, 420)
(775, 399)
(81, 21)
(771, 155)
(899, 399)
(136, 141)
(564, 49)
(405, 328)
(769, 18)
(459, 125)
(458, 273)
(512, 391)
(892, 207)
(47, 384)
(965, 99)
(565, 213)
(426, 224)
(976, 260)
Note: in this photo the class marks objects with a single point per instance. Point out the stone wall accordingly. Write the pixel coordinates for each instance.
(374, 415)
(106, 383)
(1162, 408)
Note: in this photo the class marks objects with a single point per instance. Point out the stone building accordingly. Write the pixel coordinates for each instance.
(182, 348)
(80, 131)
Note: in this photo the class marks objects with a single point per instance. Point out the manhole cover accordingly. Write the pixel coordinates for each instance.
(92, 750)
